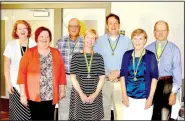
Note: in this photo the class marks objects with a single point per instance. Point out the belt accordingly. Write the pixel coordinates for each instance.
(67, 73)
(165, 77)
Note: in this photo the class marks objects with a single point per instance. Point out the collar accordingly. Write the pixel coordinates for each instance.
(163, 42)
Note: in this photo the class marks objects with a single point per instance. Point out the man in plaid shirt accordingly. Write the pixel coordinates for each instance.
(68, 45)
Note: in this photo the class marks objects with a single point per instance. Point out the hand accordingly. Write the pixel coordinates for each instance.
(113, 75)
(110, 77)
(62, 94)
(84, 98)
(148, 103)
(23, 99)
(10, 89)
(172, 99)
(92, 97)
(125, 100)
(116, 80)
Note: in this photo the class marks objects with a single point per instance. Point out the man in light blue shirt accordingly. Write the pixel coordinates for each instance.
(170, 72)
(112, 46)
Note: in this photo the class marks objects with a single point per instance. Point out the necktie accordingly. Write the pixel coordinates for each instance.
(159, 50)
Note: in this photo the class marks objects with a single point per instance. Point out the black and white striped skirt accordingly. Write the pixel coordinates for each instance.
(17, 111)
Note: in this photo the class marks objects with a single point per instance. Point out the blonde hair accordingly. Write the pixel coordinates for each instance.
(92, 31)
(138, 32)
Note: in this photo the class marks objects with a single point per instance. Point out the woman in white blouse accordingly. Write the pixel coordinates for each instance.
(14, 50)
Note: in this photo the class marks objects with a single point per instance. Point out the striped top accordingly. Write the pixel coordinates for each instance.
(78, 65)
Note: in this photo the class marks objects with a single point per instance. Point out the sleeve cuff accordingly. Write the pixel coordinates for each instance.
(175, 90)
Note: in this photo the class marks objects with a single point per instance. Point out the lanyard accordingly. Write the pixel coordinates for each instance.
(88, 63)
(156, 46)
(69, 44)
(113, 47)
(22, 51)
(133, 62)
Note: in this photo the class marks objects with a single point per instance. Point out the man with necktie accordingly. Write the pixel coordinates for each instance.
(170, 73)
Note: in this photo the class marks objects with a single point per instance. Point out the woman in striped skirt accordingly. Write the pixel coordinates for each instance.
(12, 55)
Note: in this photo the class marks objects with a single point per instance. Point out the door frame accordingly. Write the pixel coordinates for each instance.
(58, 10)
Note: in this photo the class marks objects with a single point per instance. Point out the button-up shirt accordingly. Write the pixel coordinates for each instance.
(112, 62)
(67, 48)
(170, 63)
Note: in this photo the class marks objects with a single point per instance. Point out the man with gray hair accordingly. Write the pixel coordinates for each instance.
(68, 45)
(170, 74)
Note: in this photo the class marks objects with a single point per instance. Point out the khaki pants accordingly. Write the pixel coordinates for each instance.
(63, 109)
(112, 95)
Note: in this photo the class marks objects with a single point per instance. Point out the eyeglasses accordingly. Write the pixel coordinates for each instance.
(160, 30)
(74, 26)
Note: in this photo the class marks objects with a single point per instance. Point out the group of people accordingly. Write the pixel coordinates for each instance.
(90, 76)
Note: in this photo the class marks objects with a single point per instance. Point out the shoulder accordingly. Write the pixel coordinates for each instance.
(128, 52)
(102, 37)
(173, 45)
(149, 54)
(151, 45)
(125, 38)
(98, 55)
(12, 43)
(63, 39)
(55, 50)
(77, 56)
(32, 42)
(32, 49)
(81, 39)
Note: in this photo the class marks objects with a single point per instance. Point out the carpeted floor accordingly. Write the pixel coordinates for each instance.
(4, 104)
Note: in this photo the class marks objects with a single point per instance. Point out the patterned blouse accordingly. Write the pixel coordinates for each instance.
(46, 86)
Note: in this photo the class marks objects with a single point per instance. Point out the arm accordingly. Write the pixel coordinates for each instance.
(100, 84)
(125, 99)
(93, 96)
(76, 84)
(177, 75)
(62, 80)
(114, 75)
(22, 74)
(124, 92)
(153, 88)
(151, 95)
(176, 71)
(101, 74)
(78, 89)
(154, 75)
(7, 62)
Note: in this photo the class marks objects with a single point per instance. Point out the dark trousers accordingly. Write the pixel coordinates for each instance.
(43, 110)
(161, 98)
(112, 115)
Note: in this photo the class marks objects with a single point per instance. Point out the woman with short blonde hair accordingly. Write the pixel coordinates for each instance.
(139, 75)
(87, 76)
